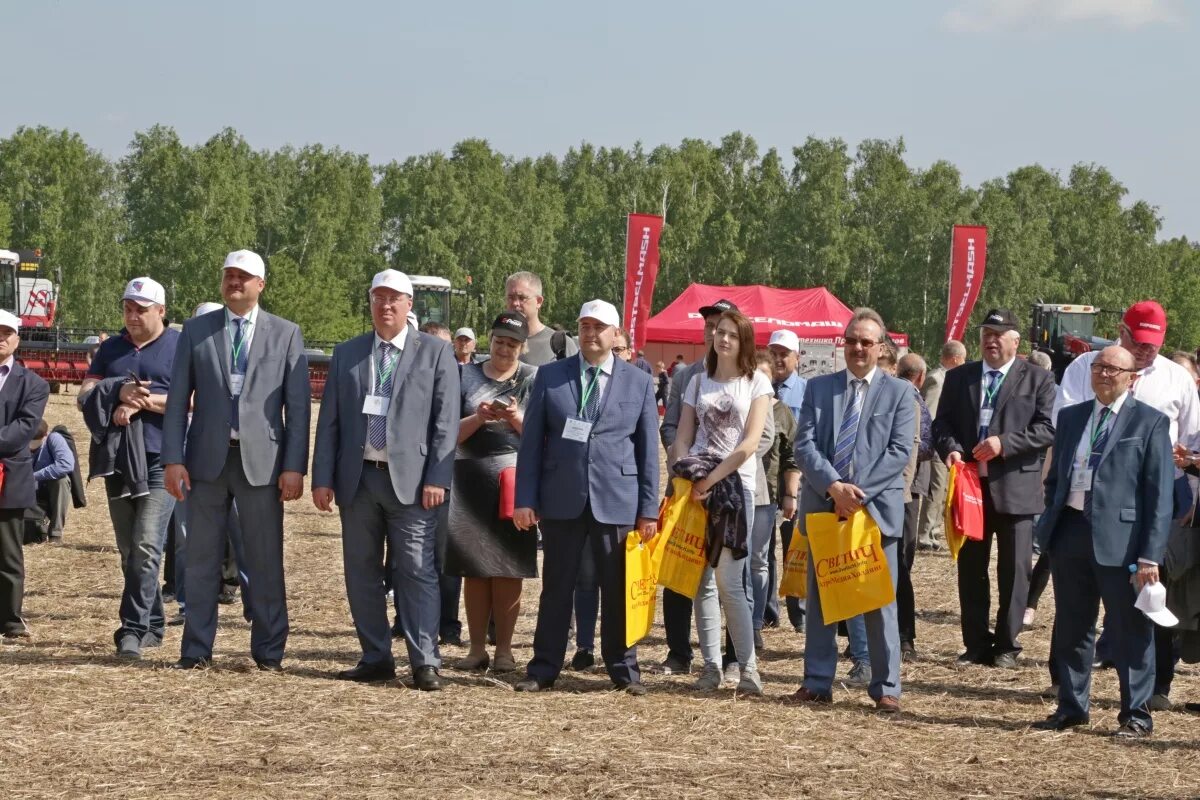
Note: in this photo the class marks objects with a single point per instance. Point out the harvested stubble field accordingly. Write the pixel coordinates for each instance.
(79, 723)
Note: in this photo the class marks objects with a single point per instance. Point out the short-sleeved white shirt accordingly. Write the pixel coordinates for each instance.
(722, 408)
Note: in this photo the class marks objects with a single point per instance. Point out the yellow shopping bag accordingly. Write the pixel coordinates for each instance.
(682, 525)
(795, 567)
(954, 537)
(851, 569)
(641, 585)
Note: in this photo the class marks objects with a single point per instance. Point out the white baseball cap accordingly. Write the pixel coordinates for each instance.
(467, 332)
(392, 279)
(1152, 601)
(785, 338)
(9, 320)
(145, 292)
(601, 311)
(206, 308)
(247, 261)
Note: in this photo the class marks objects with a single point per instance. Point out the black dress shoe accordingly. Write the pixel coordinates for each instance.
(1059, 722)
(973, 657)
(228, 596)
(583, 659)
(427, 679)
(1005, 661)
(637, 688)
(190, 663)
(366, 673)
(269, 665)
(532, 685)
(1131, 730)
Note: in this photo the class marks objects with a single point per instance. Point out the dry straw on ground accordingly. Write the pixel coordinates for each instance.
(78, 723)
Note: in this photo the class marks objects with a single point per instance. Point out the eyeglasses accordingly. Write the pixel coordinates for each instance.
(1108, 370)
(865, 344)
(519, 298)
(618, 350)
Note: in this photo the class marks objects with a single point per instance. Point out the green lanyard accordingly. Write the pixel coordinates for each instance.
(386, 365)
(587, 392)
(236, 346)
(989, 398)
(1097, 429)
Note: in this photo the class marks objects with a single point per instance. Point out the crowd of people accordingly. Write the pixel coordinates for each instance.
(450, 468)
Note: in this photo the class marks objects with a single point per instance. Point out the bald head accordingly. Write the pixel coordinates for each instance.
(1112, 373)
(912, 369)
(954, 354)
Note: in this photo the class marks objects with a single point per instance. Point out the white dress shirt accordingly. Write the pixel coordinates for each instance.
(6, 370)
(1083, 451)
(370, 453)
(606, 370)
(251, 320)
(1003, 370)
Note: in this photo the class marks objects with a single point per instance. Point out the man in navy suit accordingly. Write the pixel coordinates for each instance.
(853, 445)
(1107, 518)
(587, 470)
(23, 397)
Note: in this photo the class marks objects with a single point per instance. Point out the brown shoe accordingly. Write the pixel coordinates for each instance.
(887, 705)
(803, 696)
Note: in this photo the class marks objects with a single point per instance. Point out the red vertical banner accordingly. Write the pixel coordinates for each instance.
(641, 270)
(968, 258)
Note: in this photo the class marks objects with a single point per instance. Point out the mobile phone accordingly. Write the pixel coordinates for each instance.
(501, 404)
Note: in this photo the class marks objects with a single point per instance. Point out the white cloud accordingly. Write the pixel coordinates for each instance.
(975, 16)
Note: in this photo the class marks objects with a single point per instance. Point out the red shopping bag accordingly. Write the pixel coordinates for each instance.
(508, 492)
(967, 503)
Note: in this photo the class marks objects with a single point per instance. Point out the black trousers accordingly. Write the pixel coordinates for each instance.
(906, 603)
(677, 621)
(563, 542)
(1014, 540)
(12, 569)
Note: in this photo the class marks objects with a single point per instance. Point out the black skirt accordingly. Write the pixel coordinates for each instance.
(480, 545)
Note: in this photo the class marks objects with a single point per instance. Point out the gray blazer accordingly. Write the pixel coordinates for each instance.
(273, 411)
(422, 419)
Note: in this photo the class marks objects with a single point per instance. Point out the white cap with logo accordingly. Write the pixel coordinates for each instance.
(1152, 601)
(785, 338)
(467, 332)
(206, 307)
(145, 292)
(247, 261)
(392, 279)
(9, 320)
(601, 311)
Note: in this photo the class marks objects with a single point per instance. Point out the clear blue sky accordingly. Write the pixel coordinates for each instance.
(989, 85)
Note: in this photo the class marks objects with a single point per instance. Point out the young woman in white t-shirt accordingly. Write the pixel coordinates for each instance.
(724, 409)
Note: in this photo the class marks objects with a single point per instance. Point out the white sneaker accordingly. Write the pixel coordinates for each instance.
(733, 675)
(709, 680)
(750, 682)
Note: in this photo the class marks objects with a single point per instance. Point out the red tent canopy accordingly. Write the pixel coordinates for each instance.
(810, 313)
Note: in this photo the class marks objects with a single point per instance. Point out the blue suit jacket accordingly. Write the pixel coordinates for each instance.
(616, 469)
(422, 422)
(1131, 488)
(22, 404)
(881, 451)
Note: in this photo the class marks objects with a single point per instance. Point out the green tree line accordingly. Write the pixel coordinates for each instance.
(863, 222)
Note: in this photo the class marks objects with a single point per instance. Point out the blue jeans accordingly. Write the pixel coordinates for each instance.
(760, 546)
(140, 526)
(725, 588)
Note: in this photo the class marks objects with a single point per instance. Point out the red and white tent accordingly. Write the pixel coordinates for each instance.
(813, 314)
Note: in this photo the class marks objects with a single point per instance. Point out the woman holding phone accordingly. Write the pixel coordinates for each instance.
(484, 547)
(724, 410)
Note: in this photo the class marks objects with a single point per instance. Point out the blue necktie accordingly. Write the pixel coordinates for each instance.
(591, 408)
(989, 398)
(237, 365)
(377, 424)
(843, 451)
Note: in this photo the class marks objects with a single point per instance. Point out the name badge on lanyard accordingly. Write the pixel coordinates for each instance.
(235, 384)
(577, 430)
(376, 405)
(985, 417)
(1081, 478)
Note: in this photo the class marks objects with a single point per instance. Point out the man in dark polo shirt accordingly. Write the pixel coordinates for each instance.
(145, 349)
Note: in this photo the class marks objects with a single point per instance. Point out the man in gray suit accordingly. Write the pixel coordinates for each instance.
(853, 444)
(929, 534)
(386, 435)
(244, 376)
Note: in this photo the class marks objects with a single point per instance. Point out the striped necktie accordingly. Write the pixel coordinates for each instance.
(591, 408)
(1097, 452)
(843, 451)
(377, 423)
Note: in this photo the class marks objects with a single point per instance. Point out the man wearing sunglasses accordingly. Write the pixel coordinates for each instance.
(996, 413)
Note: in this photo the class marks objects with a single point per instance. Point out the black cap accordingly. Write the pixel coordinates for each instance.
(1000, 319)
(717, 308)
(511, 324)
